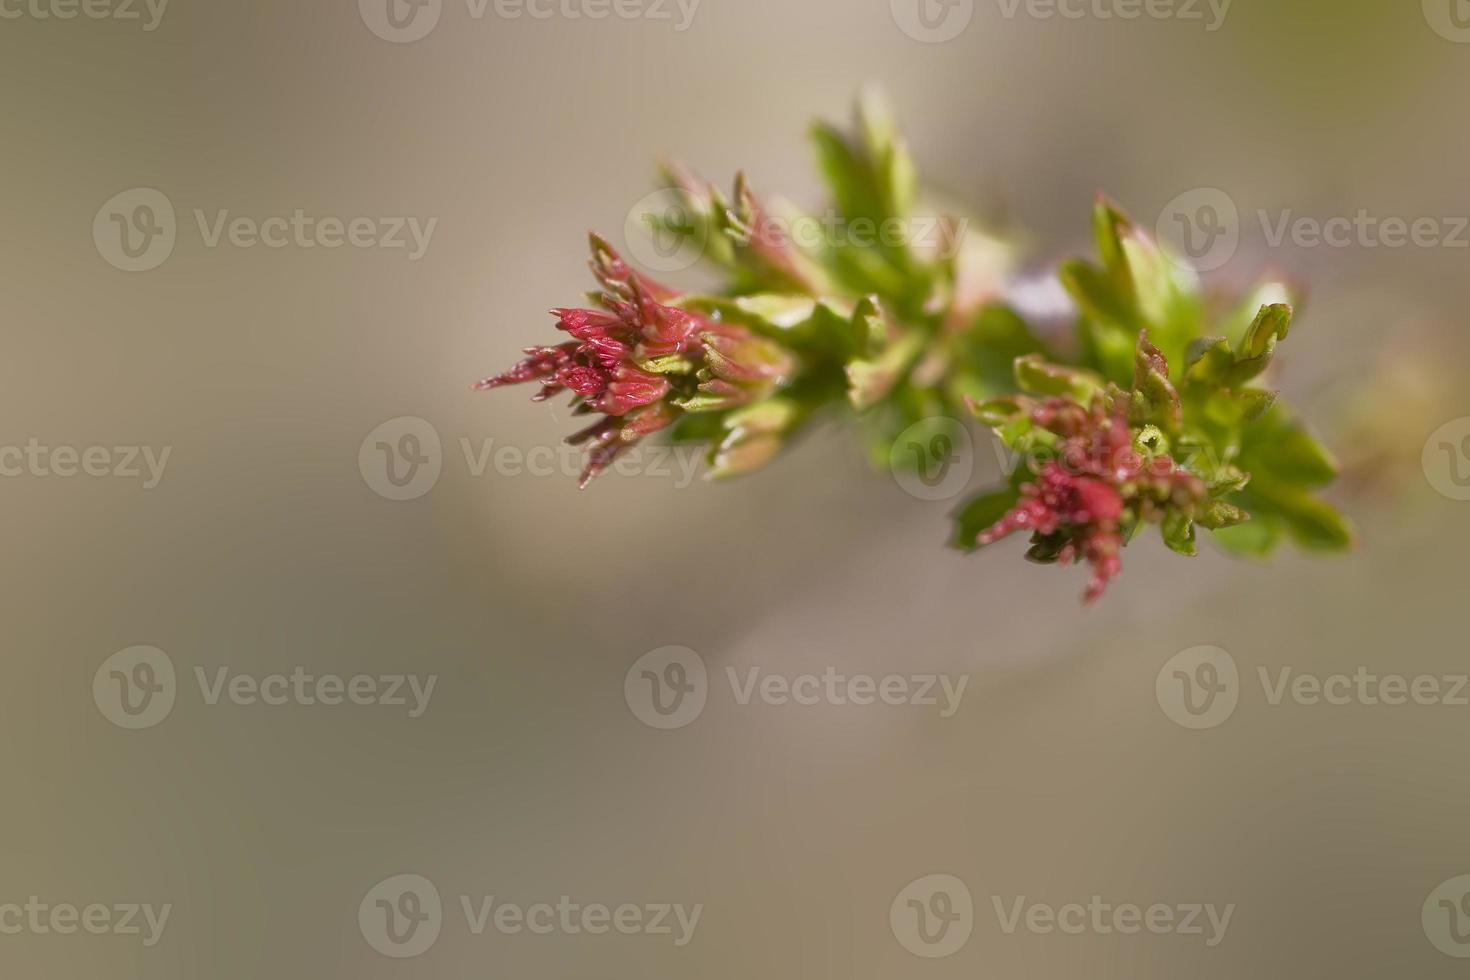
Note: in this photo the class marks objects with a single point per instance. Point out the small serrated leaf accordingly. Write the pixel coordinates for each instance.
(1208, 361)
(1283, 451)
(1110, 226)
(1155, 400)
(1217, 514)
(1313, 523)
(1233, 407)
(1037, 376)
(869, 381)
(998, 412)
(846, 174)
(1270, 325)
(1098, 296)
(1178, 531)
(1256, 538)
(780, 311)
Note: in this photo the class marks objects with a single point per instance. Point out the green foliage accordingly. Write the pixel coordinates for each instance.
(893, 330)
(1190, 393)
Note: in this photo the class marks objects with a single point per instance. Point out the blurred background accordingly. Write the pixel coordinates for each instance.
(265, 537)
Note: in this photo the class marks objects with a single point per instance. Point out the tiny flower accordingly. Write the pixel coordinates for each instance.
(1072, 518)
(643, 362)
(1096, 488)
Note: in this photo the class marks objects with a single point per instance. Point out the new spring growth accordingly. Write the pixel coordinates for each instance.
(1150, 409)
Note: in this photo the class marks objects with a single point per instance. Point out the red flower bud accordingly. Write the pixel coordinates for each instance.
(608, 367)
(1076, 507)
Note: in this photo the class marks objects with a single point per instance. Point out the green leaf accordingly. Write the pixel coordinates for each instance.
(871, 326)
(1171, 308)
(696, 219)
(1178, 531)
(704, 427)
(1312, 523)
(753, 436)
(985, 352)
(1099, 297)
(872, 180)
(847, 175)
(998, 412)
(816, 328)
(781, 312)
(1215, 515)
(895, 178)
(1318, 526)
(1208, 361)
(1037, 376)
(1225, 478)
(1235, 324)
(1283, 451)
(870, 380)
(1233, 407)
(1110, 226)
(1024, 437)
(1136, 288)
(1270, 325)
(1154, 400)
(980, 513)
(1258, 346)
(1256, 538)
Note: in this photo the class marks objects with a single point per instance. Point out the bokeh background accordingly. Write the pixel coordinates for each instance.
(264, 548)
